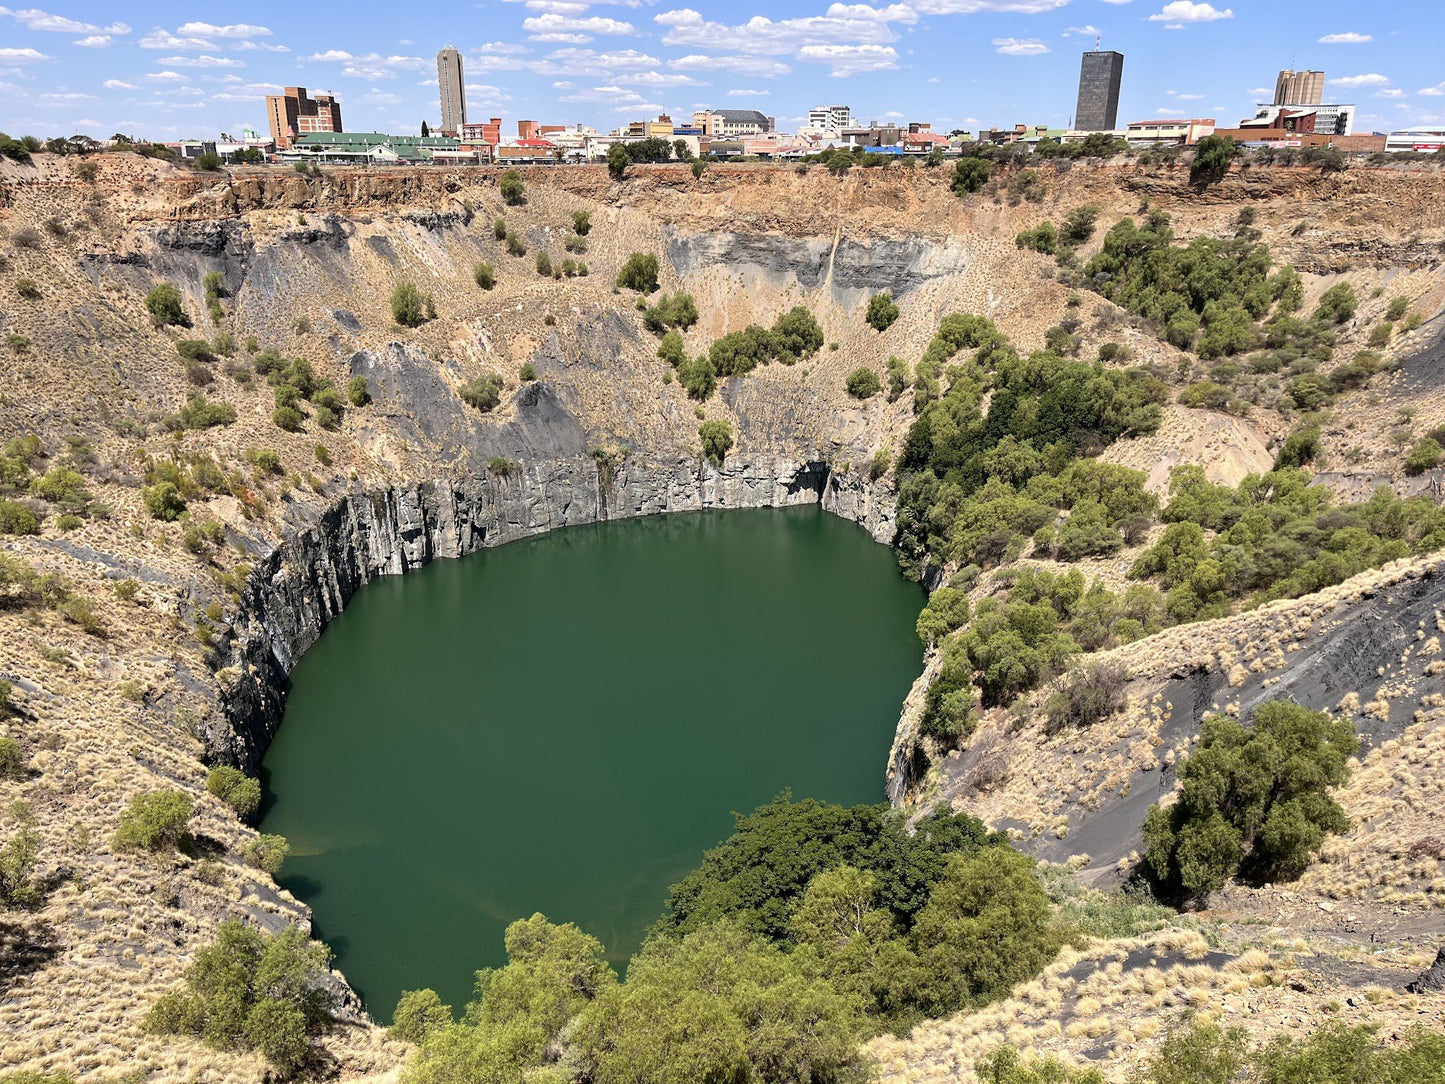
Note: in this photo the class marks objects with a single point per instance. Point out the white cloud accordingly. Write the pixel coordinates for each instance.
(842, 24)
(1083, 31)
(971, 7)
(748, 93)
(1433, 92)
(846, 60)
(1184, 97)
(65, 98)
(658, 79)
(504, 48)
(166, 77)
(94, 41)
(757, 66)
(1373, 79)
(1169, 113)
(553, 23)
(588, 62)
(35, 19)
(117, 84)
(1020, 46)
(205, 60)
(1391, 93)
(330, 55)
(1179, 12)
(21, 56)
(234, 30)
(164, 39)
(1348, 38)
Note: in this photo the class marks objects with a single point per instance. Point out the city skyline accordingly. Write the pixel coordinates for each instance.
(139, 68)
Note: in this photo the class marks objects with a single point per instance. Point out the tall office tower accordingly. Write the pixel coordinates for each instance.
(1299, 88)
(1099, 81)
(453, 91)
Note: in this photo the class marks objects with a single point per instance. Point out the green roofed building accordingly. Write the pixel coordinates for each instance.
(367, 147)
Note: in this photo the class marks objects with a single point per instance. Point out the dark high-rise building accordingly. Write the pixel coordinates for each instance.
(1099, 81)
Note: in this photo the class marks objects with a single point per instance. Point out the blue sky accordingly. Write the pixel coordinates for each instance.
(171, 69)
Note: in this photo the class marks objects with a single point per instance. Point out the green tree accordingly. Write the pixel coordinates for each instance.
(236, 789)
(418, 1015)
(617, 161)
(716, 435)
(514, 192)
(721, 1005)
(210, 162)
(581, 223)
(356, 391)
(164, 305)
(987, 926)
(154, 821)
(639, 273)
(882, 311)
(1212, 156)
(485, 277)
(1253, 800)
(970, 174)
(863, 383)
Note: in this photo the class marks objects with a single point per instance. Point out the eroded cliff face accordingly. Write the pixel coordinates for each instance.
(306, 581)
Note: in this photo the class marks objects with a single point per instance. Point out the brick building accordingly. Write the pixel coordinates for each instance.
(292, 114)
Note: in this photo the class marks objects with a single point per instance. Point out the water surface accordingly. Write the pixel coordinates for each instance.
(564, 724)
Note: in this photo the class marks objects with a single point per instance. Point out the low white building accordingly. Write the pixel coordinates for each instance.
(1429, 138)
(1328, 119)
(830, 118)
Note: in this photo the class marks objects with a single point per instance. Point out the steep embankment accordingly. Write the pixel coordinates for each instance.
(170, 642)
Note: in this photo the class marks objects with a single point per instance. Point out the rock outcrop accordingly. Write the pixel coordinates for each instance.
(298, 588)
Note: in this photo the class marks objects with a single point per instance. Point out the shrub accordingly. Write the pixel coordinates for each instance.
(677, 310)
(18, 860)
(717, 437)
(252, 990)
(1397, 309)
(527, 371)
(483, 392)
(163, 501)
(288, 418)
(408, 305)
(267, 852)
(1042, 238)
(154, 821)
(418, 1014)
(201, 413)
(164, 305)
(514, 192)
(639, 273)
(236, 789)
(12, 759)
(697, 377)
(28, 289)
(581, 223)
(485, 277)
(1426, 455)
(357, 393)
(882, 311)
(1338, 304)
(1087, 697)
(15, 518)
(1006, 1066)
(210, 161)
(1254, 801)
(499, 229)
(1299, 449)
(863, 383)
(970, 174)
(1078, 225)
(515, 245)
(544, 264)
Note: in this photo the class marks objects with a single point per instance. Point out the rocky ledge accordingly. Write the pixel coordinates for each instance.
(300, 586)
